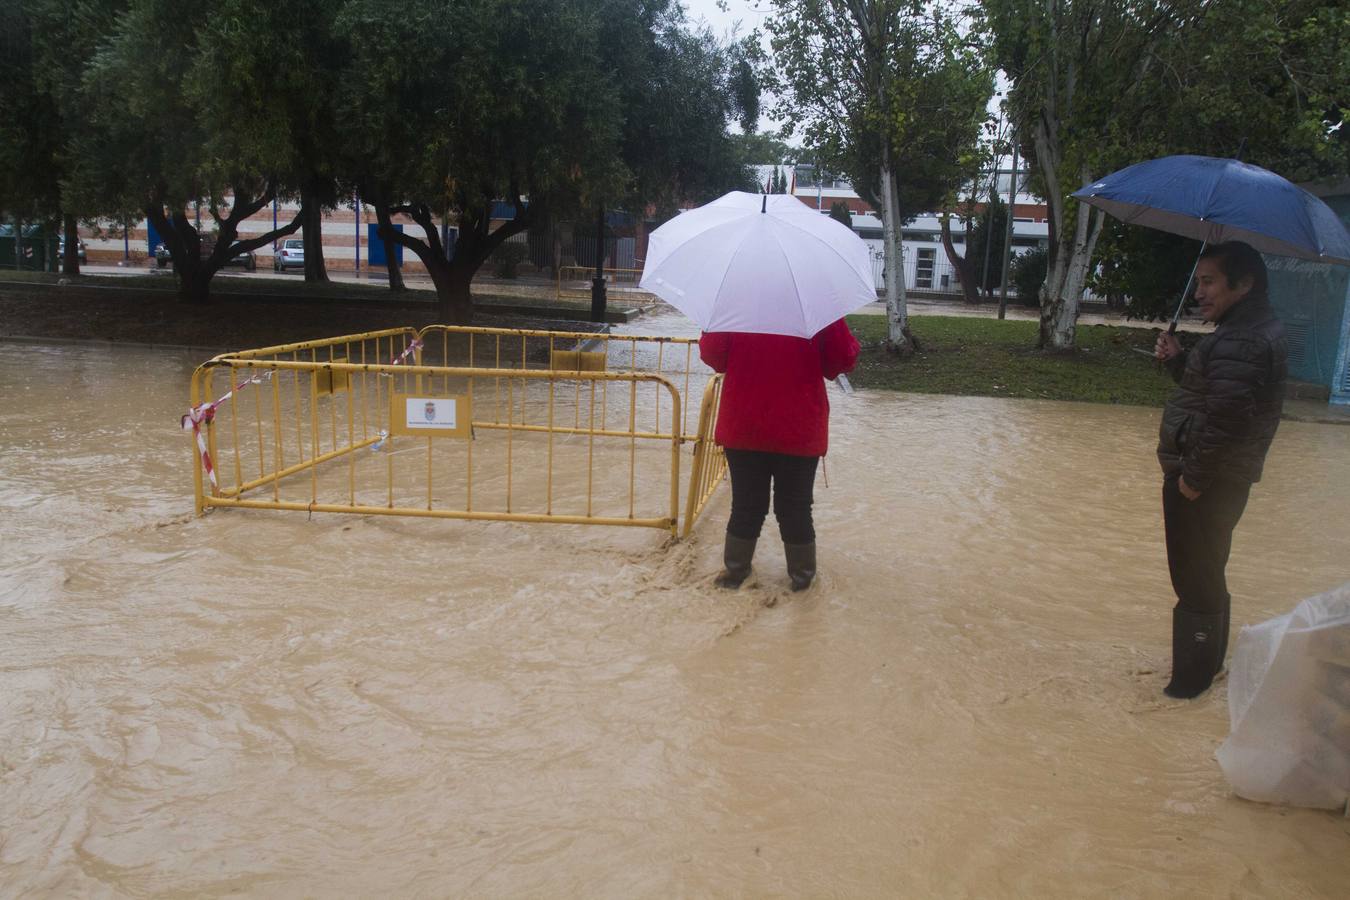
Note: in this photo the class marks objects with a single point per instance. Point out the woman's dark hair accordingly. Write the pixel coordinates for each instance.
(1238, 260)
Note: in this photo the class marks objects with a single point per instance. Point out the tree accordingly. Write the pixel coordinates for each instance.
(30, 128)
(1142, 271)
(1097, 86)
(839, 212)
(890, 92)
(46, 46)
(984, 245)
(179, 115)
(1068, 60)
(753, 149)
(486, 104)
(1027, 273)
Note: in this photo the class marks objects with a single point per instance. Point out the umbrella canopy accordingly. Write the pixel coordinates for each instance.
(762, 263)
(1215, 200)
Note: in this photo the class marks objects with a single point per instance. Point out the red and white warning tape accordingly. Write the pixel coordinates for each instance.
(412, 348)
(202, 413)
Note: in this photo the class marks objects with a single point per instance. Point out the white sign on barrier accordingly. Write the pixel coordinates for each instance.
(430, 416)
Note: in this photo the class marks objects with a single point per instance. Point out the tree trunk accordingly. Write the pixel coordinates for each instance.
(386, 234)
(454, 297)
(184, 241)
(195, 286)
(959, 262)
(899, 338)
(311, 216)
(1071, 256)
(1008, 238)
(71, 262)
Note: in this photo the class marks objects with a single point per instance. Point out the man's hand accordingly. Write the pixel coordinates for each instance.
(1187, 491)
(1167, 347)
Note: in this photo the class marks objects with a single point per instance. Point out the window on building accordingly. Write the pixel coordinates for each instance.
(923, 268)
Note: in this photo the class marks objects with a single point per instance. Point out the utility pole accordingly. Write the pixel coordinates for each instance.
(1007, 241)
(598, 283)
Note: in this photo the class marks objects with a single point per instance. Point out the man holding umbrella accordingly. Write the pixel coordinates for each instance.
(1215, 432)
(1218, 425)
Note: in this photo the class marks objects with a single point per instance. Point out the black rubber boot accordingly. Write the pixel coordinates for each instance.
(736, 556)
(1197, 652)
(801, 564)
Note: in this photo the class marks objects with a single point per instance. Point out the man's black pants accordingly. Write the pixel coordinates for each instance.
(793, 479)
(1199, 537)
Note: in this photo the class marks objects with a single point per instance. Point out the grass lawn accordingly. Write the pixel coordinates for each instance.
(992, 358)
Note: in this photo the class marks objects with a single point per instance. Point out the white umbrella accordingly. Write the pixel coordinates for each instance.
(762, 263)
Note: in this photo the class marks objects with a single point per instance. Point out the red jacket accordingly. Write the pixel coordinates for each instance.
(773, 398)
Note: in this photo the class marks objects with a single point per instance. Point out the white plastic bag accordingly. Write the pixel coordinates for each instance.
(1289, 706)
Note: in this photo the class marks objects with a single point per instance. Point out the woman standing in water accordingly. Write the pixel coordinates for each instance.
(774, 423)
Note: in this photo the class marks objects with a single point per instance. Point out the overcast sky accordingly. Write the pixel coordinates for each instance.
(750, 13)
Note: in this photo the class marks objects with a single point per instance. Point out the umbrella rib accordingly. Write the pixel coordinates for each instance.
(727, 271)
(797, 288)
(813, 236)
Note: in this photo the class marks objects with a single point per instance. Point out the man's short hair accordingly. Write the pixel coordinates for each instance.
(1238, 260)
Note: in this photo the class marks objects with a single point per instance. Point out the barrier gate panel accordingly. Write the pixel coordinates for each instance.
(311, 426)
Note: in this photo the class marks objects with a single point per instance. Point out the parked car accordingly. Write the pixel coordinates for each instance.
(290, 255)
(245, 260)
(61, 250)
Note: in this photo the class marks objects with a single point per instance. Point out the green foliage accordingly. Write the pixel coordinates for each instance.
(1026, 272)
(1098, 86)
(1143, 271)
(430, 105)
(994, 234)
(839, 212)
(862, 79)
(988, 357)
(30, 132)
(761, 149)
(679, 88)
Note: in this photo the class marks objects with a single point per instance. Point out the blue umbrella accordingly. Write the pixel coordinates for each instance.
(1214, 200)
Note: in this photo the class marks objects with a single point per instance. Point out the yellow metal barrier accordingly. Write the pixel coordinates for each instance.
(519, 425)
(710, 462)
(574, 282)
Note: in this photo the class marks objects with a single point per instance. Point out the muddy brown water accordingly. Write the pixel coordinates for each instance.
(966, 704)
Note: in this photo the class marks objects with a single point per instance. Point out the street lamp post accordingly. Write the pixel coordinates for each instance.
(598, 282)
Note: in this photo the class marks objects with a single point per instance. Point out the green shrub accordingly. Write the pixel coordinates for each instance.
(1028, 274)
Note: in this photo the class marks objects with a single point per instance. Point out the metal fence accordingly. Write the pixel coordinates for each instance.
(454, 422)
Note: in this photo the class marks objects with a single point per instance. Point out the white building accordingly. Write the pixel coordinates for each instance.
(926, 265)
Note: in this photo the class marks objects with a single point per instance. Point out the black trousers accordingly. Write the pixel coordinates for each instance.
(1199, 537)
(793, 479)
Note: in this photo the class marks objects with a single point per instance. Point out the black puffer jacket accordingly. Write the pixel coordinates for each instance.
(1218, 424)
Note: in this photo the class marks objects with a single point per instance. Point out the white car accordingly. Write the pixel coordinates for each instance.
(290, 255)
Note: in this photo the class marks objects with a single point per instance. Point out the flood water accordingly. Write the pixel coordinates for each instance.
(967, 703)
